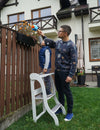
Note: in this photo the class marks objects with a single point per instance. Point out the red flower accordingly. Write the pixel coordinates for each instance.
(33, 26)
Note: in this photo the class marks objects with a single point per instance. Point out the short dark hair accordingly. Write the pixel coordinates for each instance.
(67, 29)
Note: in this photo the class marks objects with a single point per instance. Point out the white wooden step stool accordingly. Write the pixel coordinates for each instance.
(40, 93)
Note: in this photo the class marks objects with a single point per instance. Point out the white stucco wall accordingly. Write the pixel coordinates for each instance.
(26, 6)
(75, 22)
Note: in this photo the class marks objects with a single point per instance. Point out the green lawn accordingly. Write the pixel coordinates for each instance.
(86, 114)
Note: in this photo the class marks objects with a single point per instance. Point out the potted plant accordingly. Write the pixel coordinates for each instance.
(81, 76)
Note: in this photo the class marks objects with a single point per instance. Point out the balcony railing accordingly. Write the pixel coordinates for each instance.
(95, 14)
(48, 22)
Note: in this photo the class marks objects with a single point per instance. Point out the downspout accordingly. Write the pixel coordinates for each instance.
(0, 18)
(0, 40)
(82, 22)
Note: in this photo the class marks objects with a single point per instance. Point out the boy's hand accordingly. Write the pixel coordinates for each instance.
(40, 32)
(44, 70)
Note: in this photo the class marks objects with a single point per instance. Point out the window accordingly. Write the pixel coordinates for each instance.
(15, 18)
(98, 2)
(41, 13)
(94, 49)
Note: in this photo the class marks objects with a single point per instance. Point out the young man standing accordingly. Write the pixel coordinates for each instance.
(65, 66)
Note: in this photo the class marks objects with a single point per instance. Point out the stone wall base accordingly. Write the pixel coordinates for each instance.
(12, 117)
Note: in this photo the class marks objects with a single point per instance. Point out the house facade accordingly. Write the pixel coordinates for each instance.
(84, 19)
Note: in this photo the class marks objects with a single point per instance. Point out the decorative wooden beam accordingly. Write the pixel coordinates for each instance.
(16, 3)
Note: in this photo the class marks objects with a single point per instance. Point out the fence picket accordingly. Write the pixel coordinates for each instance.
(25, 75)
(13, 72)
(2, 85)
(17, 76)
(8, 72)
(22, 67)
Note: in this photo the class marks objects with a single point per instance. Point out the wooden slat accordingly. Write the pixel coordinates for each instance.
(53, 60)
(36, 59)
(34, 53)
(39, 69)
(22, 78)
(30, 71)
(25, 76)
(13, 72)
(35, 63)
(29, 63)
(2, 85)
(8, 73)
(32, 62)
(17, 76)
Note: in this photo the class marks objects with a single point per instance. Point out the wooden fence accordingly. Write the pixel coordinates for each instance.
(17, 61)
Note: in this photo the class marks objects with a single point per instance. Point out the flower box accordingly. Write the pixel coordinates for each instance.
(25, 40)
(81, 9)
(62, 14)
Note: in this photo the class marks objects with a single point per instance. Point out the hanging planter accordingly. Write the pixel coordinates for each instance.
(27, 34)
(25, 40)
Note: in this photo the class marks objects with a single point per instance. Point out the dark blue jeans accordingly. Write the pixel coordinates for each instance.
(63, 90)
(48, 82)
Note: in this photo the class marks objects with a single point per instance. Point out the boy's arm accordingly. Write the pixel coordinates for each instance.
(51, 44)
(47, 59)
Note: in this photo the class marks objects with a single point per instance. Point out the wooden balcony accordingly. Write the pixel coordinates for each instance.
(48, 24)
(81, 10)
(77, 10)
(94, 18)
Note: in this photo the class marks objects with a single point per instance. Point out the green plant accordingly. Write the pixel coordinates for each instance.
(25, 28)
(80, 71)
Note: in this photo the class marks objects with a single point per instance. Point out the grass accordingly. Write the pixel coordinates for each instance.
(86, 114)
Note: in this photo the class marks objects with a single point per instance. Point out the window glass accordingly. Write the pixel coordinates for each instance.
(12, 18)
(45, 12)
(21, 17)
(35, 14)
(99, 2)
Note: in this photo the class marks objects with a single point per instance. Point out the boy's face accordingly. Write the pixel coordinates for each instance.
(43, 43)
